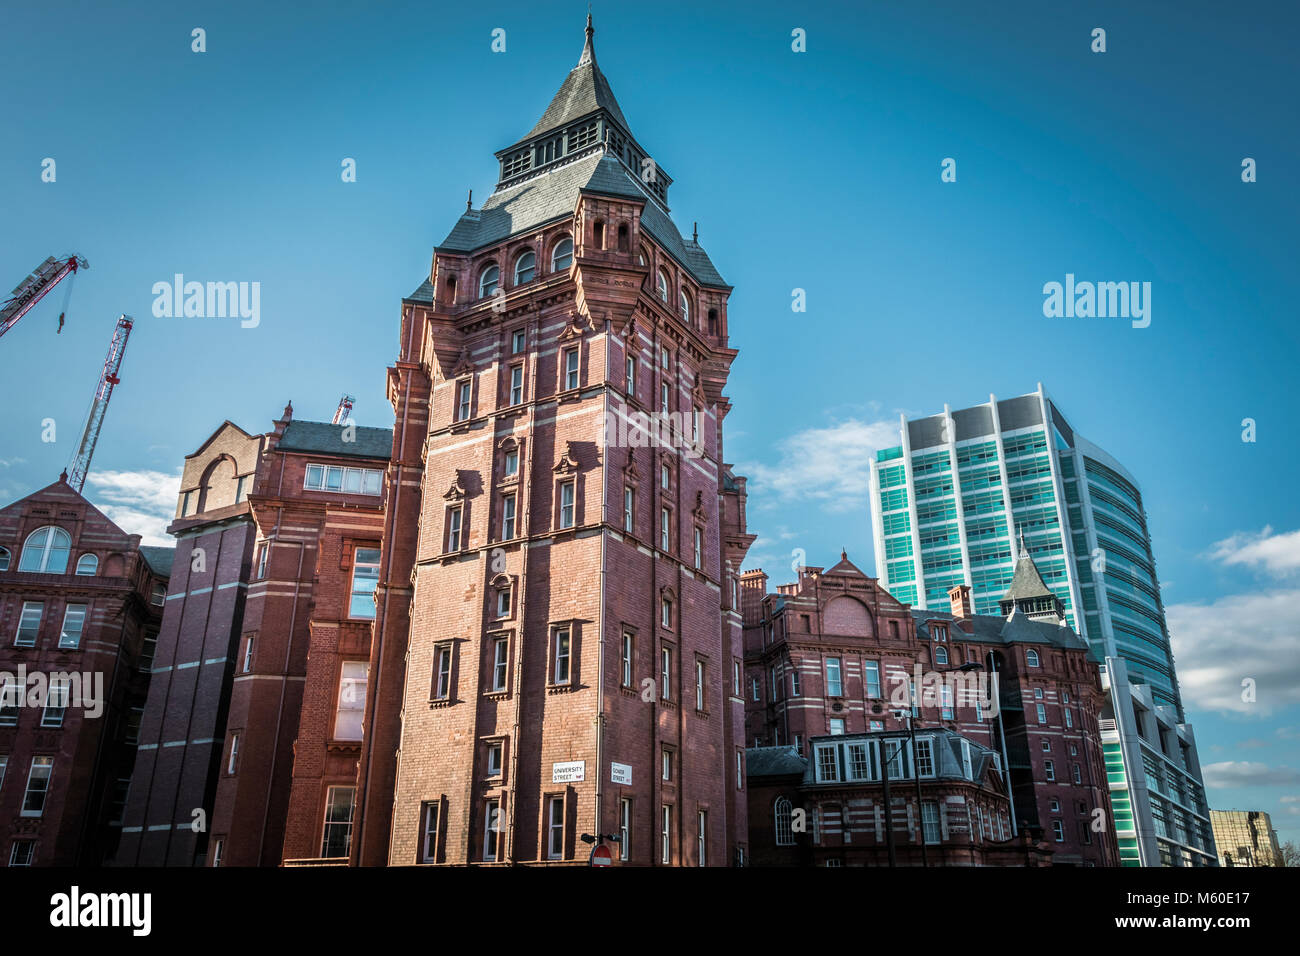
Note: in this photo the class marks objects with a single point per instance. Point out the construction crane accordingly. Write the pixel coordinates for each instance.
(103, 392)
(34, 288)
(344, 411)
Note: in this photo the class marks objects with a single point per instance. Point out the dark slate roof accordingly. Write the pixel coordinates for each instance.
(422, 294)
(553, 195)
(159, 559)
(585, 90)
(1027, 582)
(774, 762)
(327, 439)
(990, 629)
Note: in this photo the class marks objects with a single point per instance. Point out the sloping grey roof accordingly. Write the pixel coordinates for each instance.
(583, 91)
(845, 566)
(1027, 582)
(991, 629)
(159, 559)
(327, 439)
(423, 294)
(773, 762)
(554, 194)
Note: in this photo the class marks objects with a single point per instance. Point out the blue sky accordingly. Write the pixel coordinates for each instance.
(816, 170)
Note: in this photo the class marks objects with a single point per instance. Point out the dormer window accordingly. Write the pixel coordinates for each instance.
(488, 281)
(562, 256)
(663, 285)
(525, 267)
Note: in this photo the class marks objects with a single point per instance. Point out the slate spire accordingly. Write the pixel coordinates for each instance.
(585, 90)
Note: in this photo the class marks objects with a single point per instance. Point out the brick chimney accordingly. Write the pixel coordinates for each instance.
(960, 599)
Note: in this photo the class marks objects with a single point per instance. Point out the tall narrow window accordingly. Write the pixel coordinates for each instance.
(625, 828)
(525, 267)
(463, 392)
(233, 761)
(248, 654)
(516, 384)
(699, 549)
(627, 507)
(666, 612)
(562, 255)
(663, 397)
(491, 827)
(626, 661)
(695, 425)
(511, 466)
(566, 504)
(702, 839)
(930, 821)
(834, 686)
(555, 829)
(337, 838)
(782, 816)
(666, 836)
(665, 672)
(684, 307)
(561, 671)
(365, 578)
(263, 557)
(453, 528)
(665, 535)
(56, 702)
(488, 281)
(631, 375)
(500, 663)
(517, 341)
(872, 669)
(38, 785)
(661, 285)
(699, 685)
(495, 750)
(442, 672)
(74, 619)
(29, 623)
(508, 517)
(571, 368)
(429, 829)
(348, 720)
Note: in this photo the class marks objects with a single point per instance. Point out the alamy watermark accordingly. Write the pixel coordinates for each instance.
(211, 300)
(55, 689)
(1084, 300)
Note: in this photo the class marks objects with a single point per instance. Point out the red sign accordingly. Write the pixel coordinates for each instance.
(600, 856)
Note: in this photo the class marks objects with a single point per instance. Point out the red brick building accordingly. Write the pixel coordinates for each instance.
(80, 608)
(286, 782)
(174, 784)
(558, 645)
(836, 654)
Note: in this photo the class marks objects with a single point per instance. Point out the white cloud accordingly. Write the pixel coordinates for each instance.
(1244, 773)
(1276, 553)
(1220, 644)
(138, 502)
(831, 464)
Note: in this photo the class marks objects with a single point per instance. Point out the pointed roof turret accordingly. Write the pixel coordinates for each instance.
(1030, 594)
(585, 90)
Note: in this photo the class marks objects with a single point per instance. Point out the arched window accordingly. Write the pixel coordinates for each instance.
(562, 255)
(4, 559)
(87, 564)
(46, 551)
(488, 281)
(663, 285)
(598, 235)
(685, 307)
(450, 286)
(525, 266)
(781, 818)
(713, 321)
(941, 655)
(1031, 656)
(622, 237)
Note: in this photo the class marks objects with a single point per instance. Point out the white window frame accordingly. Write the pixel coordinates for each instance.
(488, 286)
(500, 663)
(508, 509)
(530, 268)
(562, 656)
(23, 624)
(555, 827)
(568, 503)
(45, 764)
(834, 684)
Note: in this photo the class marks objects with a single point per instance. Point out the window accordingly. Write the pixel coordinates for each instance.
(570, 368)
(453, 529)
(872, 670)
(945, 696)
(666, 836)
(158, 595)
(624, 828)
(941, 655)
(666, 613)
(930, 821)
(1058, 831)
(74, 620)
(442, 672)
(555, 828)
(626, 661)
(46, 551)
(488, 280)
(516, 384)
(349, 719)
(695, 425)
(429, 829)
(365, 578)
(512, 463)
(248, 653)
(566, 504)
(782, 818)
(735, 678)
(218, 849)
(10, 691)
(661, 285)
(507, 526)
(665, 529)
(740, 767)
(337, 838)
(263, 556)
(491, 815)
(631, 375)
(699, 685)
(560, 674)
(134, 718)
(463, 392)
(495, 749)
(702, 839)
(834, 687)
(684, 306)
(1047, 745)
(29, 623)
(562, 255)
(827, 762)
(525, 266)
(353, 481)
(56, 702)
(794, 681)
(503, 600)
(699, 549)
(1049, 768)
(1076, 774)
(22, 853)
(517, 341)
(5, 557)
(1031, 656)
(665, 671)
(925, 756)
(87, 564)
(663, 397)
(233, 761)
(1038, 693)
(1069, 718)
(753, 687)
(1042, 714)
(500, 663)
(627, 507)
(837, 726)
(38, 785)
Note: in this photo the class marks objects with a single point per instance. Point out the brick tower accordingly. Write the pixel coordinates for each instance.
(558, 650)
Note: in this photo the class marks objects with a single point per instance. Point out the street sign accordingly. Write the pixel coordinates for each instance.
(600, 856)
(572, 771)
(620, 773)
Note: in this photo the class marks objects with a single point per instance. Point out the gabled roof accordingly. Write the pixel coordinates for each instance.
(326, 438)
(774, 762)
(993, 629)
(159, 559)
(585, 90)
(846, 566)
(1027, 582)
